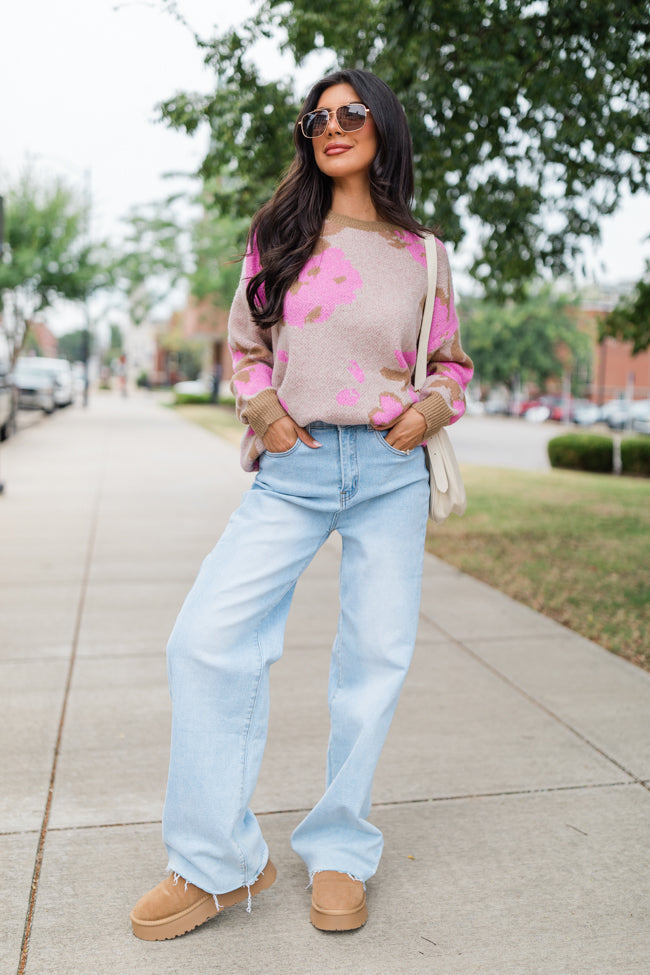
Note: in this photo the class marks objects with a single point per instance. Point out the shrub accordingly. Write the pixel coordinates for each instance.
(183, 399)
(635, 456)
(581, 452)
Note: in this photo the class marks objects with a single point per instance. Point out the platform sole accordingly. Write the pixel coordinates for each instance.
(339, 920)
(199, 912)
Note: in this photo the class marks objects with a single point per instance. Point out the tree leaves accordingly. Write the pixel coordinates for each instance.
(48, 254)
(630, 320)
(530, 341)
(530, 117)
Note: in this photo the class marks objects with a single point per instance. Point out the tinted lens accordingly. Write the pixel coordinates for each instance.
(315, 123)
(351, 117)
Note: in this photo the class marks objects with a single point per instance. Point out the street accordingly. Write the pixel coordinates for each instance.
(502, 441)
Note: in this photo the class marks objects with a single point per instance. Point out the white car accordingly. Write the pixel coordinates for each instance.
(8, 402)
(35, 387)
(61, 372)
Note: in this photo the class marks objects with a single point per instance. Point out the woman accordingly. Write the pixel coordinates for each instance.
(323, 332)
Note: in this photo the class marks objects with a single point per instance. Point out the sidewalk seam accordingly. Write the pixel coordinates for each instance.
(422, 800)
(40, 850)
(637, 779)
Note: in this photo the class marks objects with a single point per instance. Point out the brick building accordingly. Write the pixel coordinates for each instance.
(616, 373)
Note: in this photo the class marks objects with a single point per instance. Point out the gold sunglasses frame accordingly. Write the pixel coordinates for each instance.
(330, 112)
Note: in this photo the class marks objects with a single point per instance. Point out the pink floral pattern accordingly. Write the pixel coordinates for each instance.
(348, 397)
(355, 369)
(253, 379)
(406, 360)
(327, 281)
(414, 245)
(390, 407)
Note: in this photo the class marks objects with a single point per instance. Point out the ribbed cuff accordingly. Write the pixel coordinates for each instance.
(263, 409)
(435, 411)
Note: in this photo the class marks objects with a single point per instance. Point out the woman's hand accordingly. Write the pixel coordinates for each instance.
(408, 432)
(282, 434)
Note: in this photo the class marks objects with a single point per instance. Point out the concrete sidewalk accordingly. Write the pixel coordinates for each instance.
(513, 792)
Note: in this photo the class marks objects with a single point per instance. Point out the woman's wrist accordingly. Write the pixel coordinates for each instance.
(435, 411)
(263, 410)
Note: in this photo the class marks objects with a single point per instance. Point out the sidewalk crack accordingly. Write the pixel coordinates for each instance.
(38, 862)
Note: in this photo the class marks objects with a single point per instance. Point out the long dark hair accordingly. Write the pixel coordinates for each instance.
(285, 230)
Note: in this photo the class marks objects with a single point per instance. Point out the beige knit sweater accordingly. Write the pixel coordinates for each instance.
(345, 349)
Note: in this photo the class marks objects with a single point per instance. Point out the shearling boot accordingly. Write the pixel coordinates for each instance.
(175, 907)
(338, 903)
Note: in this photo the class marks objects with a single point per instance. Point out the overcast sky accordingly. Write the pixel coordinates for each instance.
(79, 84)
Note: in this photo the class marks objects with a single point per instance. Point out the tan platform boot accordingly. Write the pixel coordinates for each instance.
(338, 903)
(175, 907)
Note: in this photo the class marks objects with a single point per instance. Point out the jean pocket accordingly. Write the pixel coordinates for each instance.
(381, 437)
(285, 453)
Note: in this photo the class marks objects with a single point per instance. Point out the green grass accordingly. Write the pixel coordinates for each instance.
(571, 545)
(217, 419)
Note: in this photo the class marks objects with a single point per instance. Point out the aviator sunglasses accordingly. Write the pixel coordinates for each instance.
(350, 118)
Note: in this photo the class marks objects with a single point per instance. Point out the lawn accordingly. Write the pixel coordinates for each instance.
(217, 419)
(573, 546)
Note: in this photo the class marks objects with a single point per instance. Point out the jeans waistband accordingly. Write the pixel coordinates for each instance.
(321, 425)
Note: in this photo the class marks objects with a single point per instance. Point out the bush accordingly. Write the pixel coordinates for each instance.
(183, 399)
(582, 452)
(635, 456)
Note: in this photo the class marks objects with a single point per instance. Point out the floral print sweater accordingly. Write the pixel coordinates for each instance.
(345, 349)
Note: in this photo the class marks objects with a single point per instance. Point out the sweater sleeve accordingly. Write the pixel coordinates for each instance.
(256, 401)
(449, 368)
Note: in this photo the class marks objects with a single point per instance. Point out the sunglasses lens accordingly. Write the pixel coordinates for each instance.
(315, 124)
(351, 117)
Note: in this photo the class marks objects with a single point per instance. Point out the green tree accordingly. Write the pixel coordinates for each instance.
(175, 241)
(115, 345)
(530, 118)
(154, 256)
(72, 345)
(630, 320)
(528, 341)
(217, 245)
(47, 254)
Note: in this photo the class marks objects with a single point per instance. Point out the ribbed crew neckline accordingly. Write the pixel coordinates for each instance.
(359, 224)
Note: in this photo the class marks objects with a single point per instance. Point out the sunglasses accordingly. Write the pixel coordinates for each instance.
(350, 118)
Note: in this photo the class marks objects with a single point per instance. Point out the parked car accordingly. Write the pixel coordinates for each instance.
(35, 387)
(496, 403)
(61, 371)
(580, 411)
(192, 387)
(621, 414)
(537, 409)
(584, 413)
(537, 413)
(641, 416)
(8, 402)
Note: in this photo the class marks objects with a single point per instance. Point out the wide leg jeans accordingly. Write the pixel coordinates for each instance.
(231, 628)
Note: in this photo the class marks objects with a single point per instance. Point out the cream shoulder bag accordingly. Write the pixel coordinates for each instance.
(447, 488)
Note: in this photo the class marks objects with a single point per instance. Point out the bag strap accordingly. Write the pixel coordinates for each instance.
(427, 316)
(433, 453)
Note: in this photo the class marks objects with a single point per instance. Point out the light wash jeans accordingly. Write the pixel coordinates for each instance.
(231, 627)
